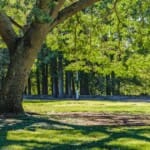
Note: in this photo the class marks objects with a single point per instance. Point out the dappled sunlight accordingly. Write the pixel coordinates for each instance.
(34, 132)
(74, 127)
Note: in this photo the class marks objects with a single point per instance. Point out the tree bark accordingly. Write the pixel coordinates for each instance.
(113, 83)
(54, 77)
(11, 94)
(19, 69)
(84, 84)
(29, 86)
(44, 79)
(69, 83)
(60, 76)
(38, 81)
(108, 85)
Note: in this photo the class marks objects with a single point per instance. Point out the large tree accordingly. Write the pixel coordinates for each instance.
(44, 16)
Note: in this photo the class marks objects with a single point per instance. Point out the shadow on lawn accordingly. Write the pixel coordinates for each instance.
(28, 123)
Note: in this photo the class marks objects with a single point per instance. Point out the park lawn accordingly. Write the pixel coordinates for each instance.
(44, 107)
(40, 132)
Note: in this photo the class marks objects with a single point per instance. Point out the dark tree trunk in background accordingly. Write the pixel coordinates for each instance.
(44, 79)
(84, 84)
(0, 84)
(25, 91)
(113, 83)
(29, 86)
(54, 77)
(38, 86)
(73, 85)
(108, 85)
(68, 84)
(60, 76)
(117, 86)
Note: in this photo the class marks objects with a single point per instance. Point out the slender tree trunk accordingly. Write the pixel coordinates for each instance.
(38, 81)
(84, 84)
(117, 91)
(0, 84)
(108, 85)
(29, 86)
(68, 83)
(44, 79)
(60, 76)
(25, 91)
(54, 77)
(73, 85)
(113, 83)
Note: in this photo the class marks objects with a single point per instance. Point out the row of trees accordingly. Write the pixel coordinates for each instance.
(49, 76)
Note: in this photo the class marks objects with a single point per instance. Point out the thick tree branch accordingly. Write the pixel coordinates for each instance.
(37, 31)
(57, 8)
(6, 31)
(71, 10)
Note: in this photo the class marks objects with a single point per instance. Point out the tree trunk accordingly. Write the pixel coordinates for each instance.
(54, 77)
(38, 81)
(113, 83)
(117, 86)
(0, 84)
(29, 86)
(84, 84)
(44, 79)
(11, 94)
(68, 83)
(60, 76)
(19, 68)
(73, 85)
(108, 85)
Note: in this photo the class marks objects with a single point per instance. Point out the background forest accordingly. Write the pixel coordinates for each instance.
(102, 50)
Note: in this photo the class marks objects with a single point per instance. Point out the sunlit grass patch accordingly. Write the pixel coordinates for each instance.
(87, 106)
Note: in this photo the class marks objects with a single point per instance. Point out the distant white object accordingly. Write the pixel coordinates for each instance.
(77, 94)
(77, 85)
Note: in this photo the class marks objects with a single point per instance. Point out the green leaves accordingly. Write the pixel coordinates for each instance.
(41, 16)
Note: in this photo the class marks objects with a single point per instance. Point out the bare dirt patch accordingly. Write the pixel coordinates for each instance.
(101, 118)
(84, 119)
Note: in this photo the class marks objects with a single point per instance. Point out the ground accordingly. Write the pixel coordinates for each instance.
(77, 125)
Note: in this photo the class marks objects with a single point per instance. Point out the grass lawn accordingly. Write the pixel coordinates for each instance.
(42, 131)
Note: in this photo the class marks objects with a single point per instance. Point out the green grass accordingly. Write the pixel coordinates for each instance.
(42, 133)
(87, 106)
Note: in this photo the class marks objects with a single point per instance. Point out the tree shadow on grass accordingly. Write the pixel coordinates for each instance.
(31, 123)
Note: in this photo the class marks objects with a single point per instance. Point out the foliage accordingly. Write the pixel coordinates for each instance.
(111, 36)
